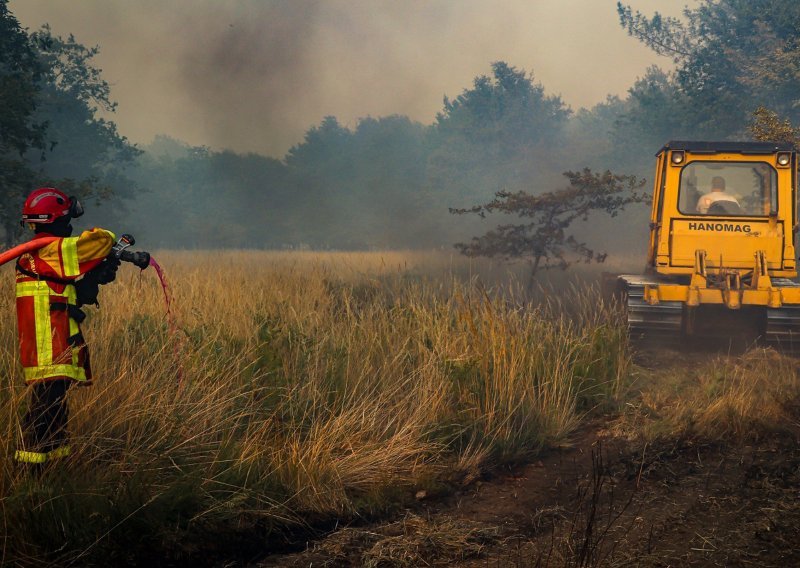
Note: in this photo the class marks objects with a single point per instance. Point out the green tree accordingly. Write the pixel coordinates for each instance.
(731, 57)
(653, 113)
(542, 240)
(20, 74)
(50, 131)
(204, 198)
(339, 188)
(502, 113)
(362, 187)
(388, 205)
(495, 134)
(321, 170)
(84, 151)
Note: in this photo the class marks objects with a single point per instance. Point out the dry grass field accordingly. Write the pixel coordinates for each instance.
(299, 392)
(299, 388)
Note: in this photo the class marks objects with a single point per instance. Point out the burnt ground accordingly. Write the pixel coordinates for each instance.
(597, 501)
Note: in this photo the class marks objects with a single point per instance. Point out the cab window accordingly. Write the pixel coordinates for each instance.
(728, 188)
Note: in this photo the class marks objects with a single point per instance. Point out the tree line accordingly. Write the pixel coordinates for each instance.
(390, 182)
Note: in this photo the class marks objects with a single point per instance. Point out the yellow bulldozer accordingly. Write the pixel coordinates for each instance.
(721, 258)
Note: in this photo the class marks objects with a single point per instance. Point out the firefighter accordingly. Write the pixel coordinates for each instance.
(52, 284)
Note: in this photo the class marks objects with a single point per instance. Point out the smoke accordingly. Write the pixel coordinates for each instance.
(253, 75)
(247, 69)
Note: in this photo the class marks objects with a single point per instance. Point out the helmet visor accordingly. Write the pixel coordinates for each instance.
(75, 208)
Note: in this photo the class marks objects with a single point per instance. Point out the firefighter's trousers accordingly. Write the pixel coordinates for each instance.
(44, 435)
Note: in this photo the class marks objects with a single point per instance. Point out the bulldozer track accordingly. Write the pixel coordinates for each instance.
(783, 324)
(646, 322)
(662, 323)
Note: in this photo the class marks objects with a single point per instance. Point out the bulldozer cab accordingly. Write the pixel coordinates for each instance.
(730, 203)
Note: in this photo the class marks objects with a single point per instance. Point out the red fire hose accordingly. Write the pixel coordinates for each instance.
(30, 246)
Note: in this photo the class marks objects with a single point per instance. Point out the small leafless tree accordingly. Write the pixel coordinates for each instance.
(542, 239)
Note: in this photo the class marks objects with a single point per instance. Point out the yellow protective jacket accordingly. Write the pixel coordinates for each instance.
(50, 339)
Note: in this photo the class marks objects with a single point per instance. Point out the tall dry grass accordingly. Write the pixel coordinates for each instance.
(721, 398)
(299, 388)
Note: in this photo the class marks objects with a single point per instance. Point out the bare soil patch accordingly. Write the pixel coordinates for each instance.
(600, 500)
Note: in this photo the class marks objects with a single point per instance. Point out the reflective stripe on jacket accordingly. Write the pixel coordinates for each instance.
(51, 346)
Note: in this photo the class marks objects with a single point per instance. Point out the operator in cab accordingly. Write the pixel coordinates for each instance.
(717, 195)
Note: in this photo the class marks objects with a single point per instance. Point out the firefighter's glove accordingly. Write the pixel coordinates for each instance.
(87, 289)
(106, 272)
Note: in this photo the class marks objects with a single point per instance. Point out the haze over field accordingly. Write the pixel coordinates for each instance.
(360, 125)
(252, 76)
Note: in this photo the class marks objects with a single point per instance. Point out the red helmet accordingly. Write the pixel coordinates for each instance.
(46, 204)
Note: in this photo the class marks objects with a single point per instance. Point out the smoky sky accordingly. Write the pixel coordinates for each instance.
(254, 75)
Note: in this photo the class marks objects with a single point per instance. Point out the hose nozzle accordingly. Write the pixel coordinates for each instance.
(140, 259)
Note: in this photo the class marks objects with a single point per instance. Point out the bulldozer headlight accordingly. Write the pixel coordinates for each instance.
(784, 158)
(678, 157)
